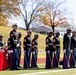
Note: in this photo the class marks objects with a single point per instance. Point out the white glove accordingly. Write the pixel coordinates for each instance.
(33, 52)
(55, 52)
(48, 51)
(24, 51)
(0, 47)
(6, 55)
(64, 50)
(71, 51)
(10, 51)
(18, 45)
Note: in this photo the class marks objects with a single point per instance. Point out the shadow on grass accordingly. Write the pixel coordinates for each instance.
(42, 69)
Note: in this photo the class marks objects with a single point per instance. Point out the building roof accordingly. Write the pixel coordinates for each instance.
(47, 28)
(42, 29)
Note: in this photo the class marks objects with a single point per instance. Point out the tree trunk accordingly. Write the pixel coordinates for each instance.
(53, 28)
(27, 27)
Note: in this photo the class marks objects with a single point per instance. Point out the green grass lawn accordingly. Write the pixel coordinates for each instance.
(41, 70)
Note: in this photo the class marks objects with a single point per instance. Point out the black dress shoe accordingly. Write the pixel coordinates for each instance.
(17, 69)
(12, 69)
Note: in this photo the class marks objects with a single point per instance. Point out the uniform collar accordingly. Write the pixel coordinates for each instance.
(28, 36)
(14, 30)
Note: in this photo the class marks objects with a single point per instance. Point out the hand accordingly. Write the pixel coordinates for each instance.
(6, 48)
(54, 46)
(0, 47)
(64, 50)
(48, 51)
(18, 45)
(33, 52)
(24, 51)
(55, 52)
(71, 51)
(47, 46)
(4, 43)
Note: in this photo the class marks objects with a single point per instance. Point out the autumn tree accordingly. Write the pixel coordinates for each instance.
(30, 10)
(55, 13)
(50, 12)
(7, 9)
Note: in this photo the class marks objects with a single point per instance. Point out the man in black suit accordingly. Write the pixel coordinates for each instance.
(73, 49)
(66, 47)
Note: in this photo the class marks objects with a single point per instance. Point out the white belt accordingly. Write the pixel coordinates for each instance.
(35, 45)
(50, 44)
(28, 44)
(57, 45)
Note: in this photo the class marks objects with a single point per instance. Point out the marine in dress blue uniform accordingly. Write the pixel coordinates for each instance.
(66, 47)
(13, 44)
(56, 43)
(19, 47)
(34, 51)
(49, 50)
(27, 44)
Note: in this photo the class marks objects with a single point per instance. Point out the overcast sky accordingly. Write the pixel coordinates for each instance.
(72, 6)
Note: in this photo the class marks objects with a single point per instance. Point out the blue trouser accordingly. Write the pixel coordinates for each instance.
(36, 55)
(58, 54)
(48, 59)
(28, 56)
(67, 58)
(33, 61)
(26, 60)
(15, 59)
(75, 55)
(19, 53)
(56, 57)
